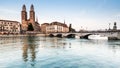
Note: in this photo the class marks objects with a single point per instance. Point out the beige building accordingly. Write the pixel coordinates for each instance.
(25, 21)
(54, 27)
(9, 27)
(43, 27)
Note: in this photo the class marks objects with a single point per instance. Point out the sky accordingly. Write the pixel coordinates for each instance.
(82, 14)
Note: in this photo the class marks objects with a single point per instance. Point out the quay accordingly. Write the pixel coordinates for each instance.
(23, 35)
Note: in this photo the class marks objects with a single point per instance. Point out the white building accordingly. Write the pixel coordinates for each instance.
(9, 27)
(57, 27)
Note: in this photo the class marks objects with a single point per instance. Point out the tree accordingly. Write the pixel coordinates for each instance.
(30, 27)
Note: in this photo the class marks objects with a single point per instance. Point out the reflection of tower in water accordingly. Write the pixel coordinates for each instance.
(25, 52)
(29, 50)
(33, 52)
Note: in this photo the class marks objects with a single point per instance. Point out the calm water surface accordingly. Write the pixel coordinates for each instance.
(46, 52)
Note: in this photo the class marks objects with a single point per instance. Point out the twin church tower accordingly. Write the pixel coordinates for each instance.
(29, 21)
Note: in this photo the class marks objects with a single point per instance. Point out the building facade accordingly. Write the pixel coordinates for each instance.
(9, 27)
(31, 21)
(54, 27)
(43, 27)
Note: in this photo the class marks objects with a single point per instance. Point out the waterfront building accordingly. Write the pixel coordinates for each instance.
(54, 27)
(31, 21)
(43, 27)
(9, 27)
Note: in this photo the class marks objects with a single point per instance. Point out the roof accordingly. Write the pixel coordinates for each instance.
(36, 22)
(10, 21)
(58, 23)
(65, 25)
(45, 24)
(55, 23)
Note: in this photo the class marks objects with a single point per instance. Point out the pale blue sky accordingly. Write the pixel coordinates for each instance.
(88, 14)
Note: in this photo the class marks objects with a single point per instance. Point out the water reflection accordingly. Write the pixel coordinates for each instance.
(7, 40)
(114, 45)
(47, 42)
(30, 49)
(25, 53)
(60, 43)
(46, 52)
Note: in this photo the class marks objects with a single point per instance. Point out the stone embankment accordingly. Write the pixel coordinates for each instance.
(111, 36)
(22, 35)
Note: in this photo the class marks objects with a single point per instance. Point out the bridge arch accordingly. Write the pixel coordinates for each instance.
(71, 35)
(85, 36)
(51, 35)
(59, 35)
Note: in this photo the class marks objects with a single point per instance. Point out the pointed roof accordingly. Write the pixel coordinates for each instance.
(64, 21)
(115, 23)
(36, 19)
(32, 8)
(24, 8)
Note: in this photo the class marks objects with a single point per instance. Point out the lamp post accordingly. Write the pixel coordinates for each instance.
(109, 26)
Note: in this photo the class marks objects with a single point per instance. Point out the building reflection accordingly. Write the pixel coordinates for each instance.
(7, 40)
(114, 45)
(60, 43)
(29, 50)
(25, 52)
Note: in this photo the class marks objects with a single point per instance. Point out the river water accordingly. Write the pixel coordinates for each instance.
(46, 52)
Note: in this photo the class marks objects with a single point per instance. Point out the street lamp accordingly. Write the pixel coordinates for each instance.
(109, 25)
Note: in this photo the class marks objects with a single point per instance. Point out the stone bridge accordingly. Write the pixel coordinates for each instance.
(83, 34)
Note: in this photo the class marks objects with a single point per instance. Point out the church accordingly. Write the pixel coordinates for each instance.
(29, 24)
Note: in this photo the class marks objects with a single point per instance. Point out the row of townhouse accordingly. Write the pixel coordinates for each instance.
(9, 27)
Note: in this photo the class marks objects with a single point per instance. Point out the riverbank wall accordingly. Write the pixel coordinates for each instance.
(24, 35)
(110, 35)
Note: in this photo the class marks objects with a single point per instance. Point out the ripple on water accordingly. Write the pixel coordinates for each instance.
(46, 52)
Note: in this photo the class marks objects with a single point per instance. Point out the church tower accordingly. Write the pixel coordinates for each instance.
(24, 18)
(32, 14)
(29, 24)
(115, 26)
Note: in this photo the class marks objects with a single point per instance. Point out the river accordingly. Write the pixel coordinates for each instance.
(46, 52)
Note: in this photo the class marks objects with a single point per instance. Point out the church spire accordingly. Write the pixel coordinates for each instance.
(32, 14)
(24, 8)
(64, 21)
(32, 8)
(36, 19)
